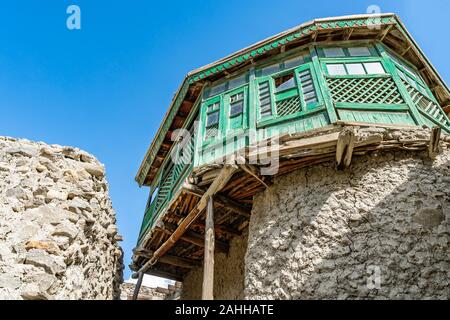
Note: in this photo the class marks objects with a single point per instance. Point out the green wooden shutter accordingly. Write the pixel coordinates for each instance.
(265, 100)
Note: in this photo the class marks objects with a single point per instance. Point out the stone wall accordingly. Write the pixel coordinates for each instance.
(172, 292)
(318, 233)
(228, 274)
(58, 238)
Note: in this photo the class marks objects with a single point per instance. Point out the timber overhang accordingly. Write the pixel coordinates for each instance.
(176, 244)
(386, 28)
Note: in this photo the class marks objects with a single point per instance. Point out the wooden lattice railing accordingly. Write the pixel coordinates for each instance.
(288, 106)
(373, 90)
(427, 105)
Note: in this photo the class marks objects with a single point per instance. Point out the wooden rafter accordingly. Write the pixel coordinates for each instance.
(221, 180)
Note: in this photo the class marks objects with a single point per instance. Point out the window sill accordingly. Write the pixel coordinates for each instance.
(276, 120)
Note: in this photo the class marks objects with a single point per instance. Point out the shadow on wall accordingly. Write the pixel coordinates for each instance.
(378, 230)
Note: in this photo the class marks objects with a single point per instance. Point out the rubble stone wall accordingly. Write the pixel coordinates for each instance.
(58, 233)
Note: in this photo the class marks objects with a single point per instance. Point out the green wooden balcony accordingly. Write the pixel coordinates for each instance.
(311, 88)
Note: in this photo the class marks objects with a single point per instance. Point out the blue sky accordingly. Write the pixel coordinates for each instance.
(106, 87)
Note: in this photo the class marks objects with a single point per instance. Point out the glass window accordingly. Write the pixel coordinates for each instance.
(374, 68)
(336, 69)
(285, 82)
(217, 90)
(333, 52)
(355, 69)
(270, 70)
(359, 52)
(237, 82)
(213, 119)
(213, 107)
(293, 62)
(236, 104)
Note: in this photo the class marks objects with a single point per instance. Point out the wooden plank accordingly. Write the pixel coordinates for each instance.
(170, 259)
(220, 200)
(208, 267)
(344, 148)
(433, 148)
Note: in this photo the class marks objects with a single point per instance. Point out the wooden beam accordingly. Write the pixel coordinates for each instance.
(433, 148)
(164, 274)
(349, 34)
(170, 259)
(253, 172)
(218, 184)
(220, 229)
(385, 33)
(193, 237)
(179, 262)
(208, 266)
(220, 200)
(138, 286)
(344, 148)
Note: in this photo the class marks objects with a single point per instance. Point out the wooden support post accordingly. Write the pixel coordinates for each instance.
(138, 286)
(208, 266)
(433, 148)
(344, 148)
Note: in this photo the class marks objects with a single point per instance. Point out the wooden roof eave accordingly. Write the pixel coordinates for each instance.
(423, 58)
(142, 176)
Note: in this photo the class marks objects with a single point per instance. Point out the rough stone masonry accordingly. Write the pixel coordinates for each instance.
(319, 233)
(58, 233)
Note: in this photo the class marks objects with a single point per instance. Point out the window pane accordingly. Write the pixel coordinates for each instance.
(333, 52)
(285, 82)
(217, 90)
(213, 119)
(270, 70)
(374, 68)
(355, 69)
(236, 108)
(294, 62)
(237, 82)
(213, 107)
(237, 97)
(336, 69)
(359, 52)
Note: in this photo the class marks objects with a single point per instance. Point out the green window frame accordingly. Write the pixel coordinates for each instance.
(235, 111)
(355, 68)
(284, 87)
(356, 50)
(212, 117)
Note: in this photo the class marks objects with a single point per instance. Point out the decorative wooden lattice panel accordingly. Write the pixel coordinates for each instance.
(365, 90)
(288, 106)
(212, 131)
(426, 105)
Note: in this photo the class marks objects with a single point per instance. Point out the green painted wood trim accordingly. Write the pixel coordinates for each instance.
(298, 115)
(392, 69)
(372, 107)
(244, 57)
(323, 86)
(424, 114)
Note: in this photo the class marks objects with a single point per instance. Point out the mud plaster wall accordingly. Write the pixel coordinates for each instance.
(228, 274)
(318, 233)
